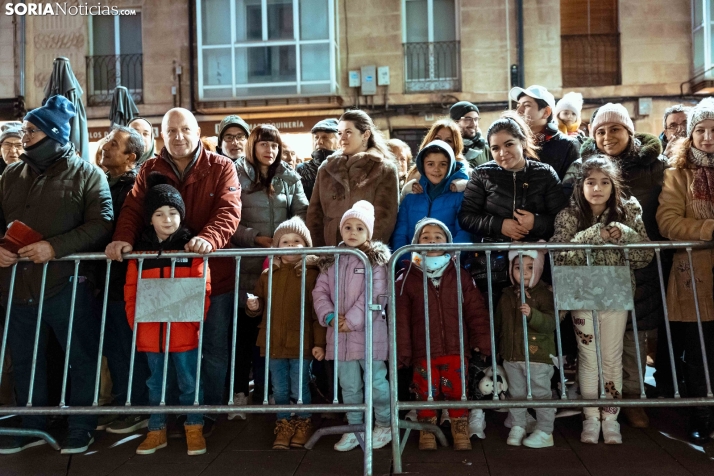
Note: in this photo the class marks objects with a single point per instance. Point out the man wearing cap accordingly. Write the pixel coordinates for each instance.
(10, 144)
(67, 201)
(476, 150)
(324, 144)
(536, 105)
(233, 135)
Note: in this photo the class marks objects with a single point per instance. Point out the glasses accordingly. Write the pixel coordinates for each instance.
(28, 132)
(470, 120)
(675, 127)
(9, 146)
(228, 138)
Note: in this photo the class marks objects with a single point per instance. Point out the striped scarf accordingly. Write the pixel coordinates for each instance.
(703, 185)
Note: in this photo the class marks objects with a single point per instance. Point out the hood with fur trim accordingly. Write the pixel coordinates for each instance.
(378, 254)
(538, 265)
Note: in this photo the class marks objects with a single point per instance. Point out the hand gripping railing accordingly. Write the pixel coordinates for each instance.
(455, 250)
(237, 255)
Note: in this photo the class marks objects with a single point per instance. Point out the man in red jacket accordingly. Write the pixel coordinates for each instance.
(209, 186)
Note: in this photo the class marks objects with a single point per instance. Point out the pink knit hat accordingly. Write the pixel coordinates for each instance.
(612, 113)
(364, 212)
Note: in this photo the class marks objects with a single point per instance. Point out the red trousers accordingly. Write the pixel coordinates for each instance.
(445, 383)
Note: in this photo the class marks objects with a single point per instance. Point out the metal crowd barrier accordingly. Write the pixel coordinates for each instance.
(564, 401)
(335, 406)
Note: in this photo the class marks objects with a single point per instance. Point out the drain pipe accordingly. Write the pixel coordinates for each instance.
(191, 82)
(521, 54)
(21, 61)
(508, 52)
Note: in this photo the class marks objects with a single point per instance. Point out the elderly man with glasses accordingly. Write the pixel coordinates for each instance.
(675, 126)
(10, 144)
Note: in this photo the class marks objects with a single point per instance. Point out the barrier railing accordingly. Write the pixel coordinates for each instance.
(621, 283)
(237, 255)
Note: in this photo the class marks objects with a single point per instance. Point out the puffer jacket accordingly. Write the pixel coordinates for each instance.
(117, 276)
(308, 170)
(285, 309)
(508, 324)
(151, 336)
(493, 194)
(444, 208)
(262, 214)
(643, 165)
(343, 181)
(443, 316)
(352, 301)
(558, 150)
(633, 231)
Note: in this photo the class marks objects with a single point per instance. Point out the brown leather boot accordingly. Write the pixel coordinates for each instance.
(460, 432)
(284, 431)
(303, 432)
(195, 441)
(155, 440)
(635, 416)
(427, 439)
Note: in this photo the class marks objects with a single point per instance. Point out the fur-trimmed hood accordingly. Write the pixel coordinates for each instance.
(644, 150)
(378, 254)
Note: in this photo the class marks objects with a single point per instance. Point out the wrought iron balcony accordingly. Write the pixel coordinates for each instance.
(432, 66)
(590, 60)
(106, 72)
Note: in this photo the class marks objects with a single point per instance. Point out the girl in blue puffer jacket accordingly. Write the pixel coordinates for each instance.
(439, 169)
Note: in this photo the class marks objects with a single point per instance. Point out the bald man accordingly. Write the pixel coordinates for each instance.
(209, 186)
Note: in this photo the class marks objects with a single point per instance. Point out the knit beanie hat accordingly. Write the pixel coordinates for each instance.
(326, 125)
(612, 114)
(160, 193)
(11, 129)
(701, 112)
(364, 212)
(571, 102)
(53, 118)
(294, 225)
(460, 109)
(231, 121)
(538, 265)
(430, 221)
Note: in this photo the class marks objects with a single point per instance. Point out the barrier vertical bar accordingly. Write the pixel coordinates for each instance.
(335, 325)
(70, 326)
(235, 332)
(529, 393)
(302, 327)
(200, 332)
(10, 292)
(460, 301)
(489, 285)
(558, 338)
(427, 333)
(596, 334)
(167, 347)
(637, 337)
(368, 369)
(393, 367)
(705, 361)
(133, 336)
(102, 328)
(670, 349)
(269, 320)
(37, 334)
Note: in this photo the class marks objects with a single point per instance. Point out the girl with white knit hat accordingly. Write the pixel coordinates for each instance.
(568, 113)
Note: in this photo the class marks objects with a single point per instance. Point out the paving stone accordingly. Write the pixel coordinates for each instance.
(256, 463)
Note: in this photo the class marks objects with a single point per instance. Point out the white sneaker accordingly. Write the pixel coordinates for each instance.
(477, 423)
(381, 437)
(349, 442)
(411, 416)
(530, 422)
(516, 435)
(445, 417)
(591, 431)
(611, 432)
(538, 439)
(239, 400)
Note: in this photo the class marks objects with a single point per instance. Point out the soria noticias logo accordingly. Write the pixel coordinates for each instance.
(64, 9)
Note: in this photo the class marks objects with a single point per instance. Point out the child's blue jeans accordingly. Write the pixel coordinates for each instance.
(185, 364)
(285, 378)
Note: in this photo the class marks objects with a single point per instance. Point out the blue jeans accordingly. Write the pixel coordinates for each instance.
(185, 364)
(350, 375)
(285, 378)
(117, 349)
(216, 354)
(82, 356)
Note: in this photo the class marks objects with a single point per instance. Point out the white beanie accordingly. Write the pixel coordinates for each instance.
(571, 102)
(612, 114)
(701, 112)
(364, 212)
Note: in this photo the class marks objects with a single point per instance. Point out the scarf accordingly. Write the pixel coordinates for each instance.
(45, 153)
(703, 185)
(434, 266)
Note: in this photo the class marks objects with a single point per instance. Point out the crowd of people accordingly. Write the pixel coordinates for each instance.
(535, 175)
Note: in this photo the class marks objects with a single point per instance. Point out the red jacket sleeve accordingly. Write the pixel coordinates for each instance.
(476, 315)
(130, 222)
(225, 214)
(130, 291)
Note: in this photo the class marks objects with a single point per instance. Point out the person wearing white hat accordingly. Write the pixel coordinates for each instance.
(568, 114)
(536, 105)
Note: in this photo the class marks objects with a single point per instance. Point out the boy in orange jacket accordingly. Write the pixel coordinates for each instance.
(165, 210)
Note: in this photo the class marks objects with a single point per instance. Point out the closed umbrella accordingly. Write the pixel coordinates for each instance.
(64, 82)
(123, 108)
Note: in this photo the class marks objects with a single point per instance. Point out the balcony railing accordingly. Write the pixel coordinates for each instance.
(590, 60)
(432, 66)
(105, 73)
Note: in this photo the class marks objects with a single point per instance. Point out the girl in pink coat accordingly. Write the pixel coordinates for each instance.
(356, 229)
